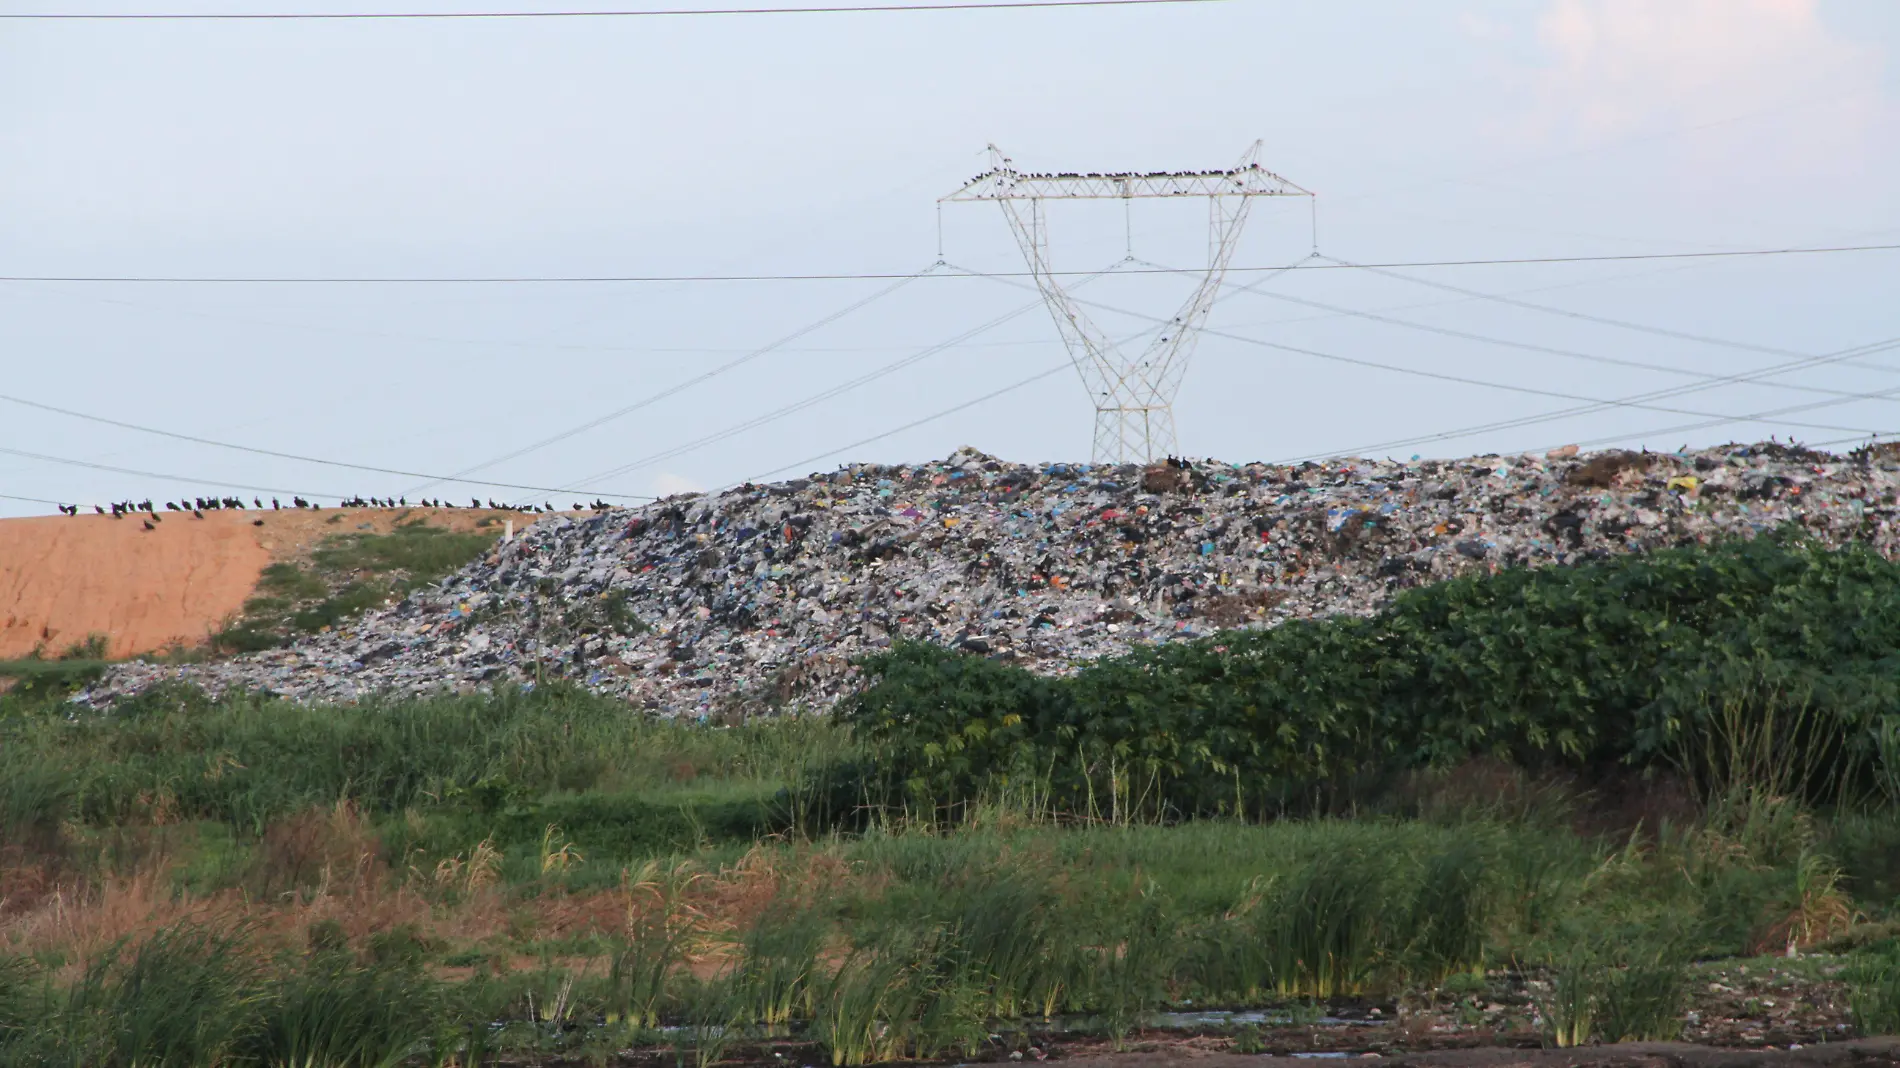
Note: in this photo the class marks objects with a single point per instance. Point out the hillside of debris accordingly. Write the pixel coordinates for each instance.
(760, 598)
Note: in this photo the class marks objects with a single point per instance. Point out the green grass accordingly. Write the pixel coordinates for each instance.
(515, 758)
(347, 575)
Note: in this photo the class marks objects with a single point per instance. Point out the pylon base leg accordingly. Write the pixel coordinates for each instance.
(1133, 435)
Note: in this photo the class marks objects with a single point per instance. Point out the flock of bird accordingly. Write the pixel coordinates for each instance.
(198, 506)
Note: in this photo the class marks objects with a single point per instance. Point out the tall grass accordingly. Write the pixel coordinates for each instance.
(184, 996)
(247, 760)
(1873, 984)
(333, 1012)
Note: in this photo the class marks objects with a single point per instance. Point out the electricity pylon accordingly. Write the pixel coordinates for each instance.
(1134, 398)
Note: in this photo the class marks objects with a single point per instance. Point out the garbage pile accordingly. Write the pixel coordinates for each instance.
(757, 599)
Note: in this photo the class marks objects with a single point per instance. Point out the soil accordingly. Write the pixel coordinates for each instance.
(64, 578)
(1624, 1055)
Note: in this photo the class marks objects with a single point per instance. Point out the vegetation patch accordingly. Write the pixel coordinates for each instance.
(1764, 664)
(1639, 799)
(346, 575)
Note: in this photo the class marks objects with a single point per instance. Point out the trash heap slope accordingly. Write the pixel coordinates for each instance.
(758, 598)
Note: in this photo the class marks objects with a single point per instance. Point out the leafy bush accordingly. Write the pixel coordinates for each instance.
(1715, 661)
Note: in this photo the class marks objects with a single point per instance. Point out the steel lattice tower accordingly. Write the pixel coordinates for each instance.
(1134, 397)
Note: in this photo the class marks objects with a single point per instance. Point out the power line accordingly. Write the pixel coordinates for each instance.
(915, 423)
(872, 276)
(1419, 373)
(1603, 320)
(69, 462)
(655, 398)
(30, 500)
(390, 16)
(1755, 417)
(298, 457)
(832, 392)
(1674, 391)
(1547, 350)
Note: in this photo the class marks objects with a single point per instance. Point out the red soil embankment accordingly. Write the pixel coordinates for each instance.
(64, 578)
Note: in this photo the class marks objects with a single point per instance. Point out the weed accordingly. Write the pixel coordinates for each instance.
(1873, 983)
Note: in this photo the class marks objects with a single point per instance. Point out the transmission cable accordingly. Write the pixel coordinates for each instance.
(704, 376)
(1763, 416)
(31, 500)
(156, 474)
(834, 391)
(299, 457)
(915, 423)
(1418, 373)
(391, 16)
(1602, 320)
(1547, 350)
(1674, 391)
(874, 276)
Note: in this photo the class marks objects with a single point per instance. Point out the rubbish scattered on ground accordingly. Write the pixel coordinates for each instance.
(757, 599)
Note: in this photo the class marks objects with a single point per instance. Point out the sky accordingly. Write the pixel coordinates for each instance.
(820, 144)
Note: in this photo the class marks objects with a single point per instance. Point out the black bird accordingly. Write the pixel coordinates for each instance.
(155, 517)
(577, 506)
(196, 514)
(546, 506)
(149, 526)
(473, 503)
(98, 509)
(170, 506)
(492, 505)
(274, 505)
(257, 502)
(257, 522)
(404, 501)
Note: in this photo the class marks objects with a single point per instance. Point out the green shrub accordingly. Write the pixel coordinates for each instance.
(1716, 662)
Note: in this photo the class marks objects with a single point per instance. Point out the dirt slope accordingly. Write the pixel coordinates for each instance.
(64, 578)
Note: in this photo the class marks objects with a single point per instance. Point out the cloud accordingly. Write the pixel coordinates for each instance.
(666, 483)
(1761, 75)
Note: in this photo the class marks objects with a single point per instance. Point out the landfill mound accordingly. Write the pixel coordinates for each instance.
(757, 599)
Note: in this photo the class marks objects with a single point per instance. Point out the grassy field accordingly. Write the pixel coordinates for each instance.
(547, 877)
(541, 876)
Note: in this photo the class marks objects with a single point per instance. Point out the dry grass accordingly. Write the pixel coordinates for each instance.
(326, 867)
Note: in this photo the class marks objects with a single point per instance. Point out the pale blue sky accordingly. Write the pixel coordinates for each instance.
(1448, 130)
